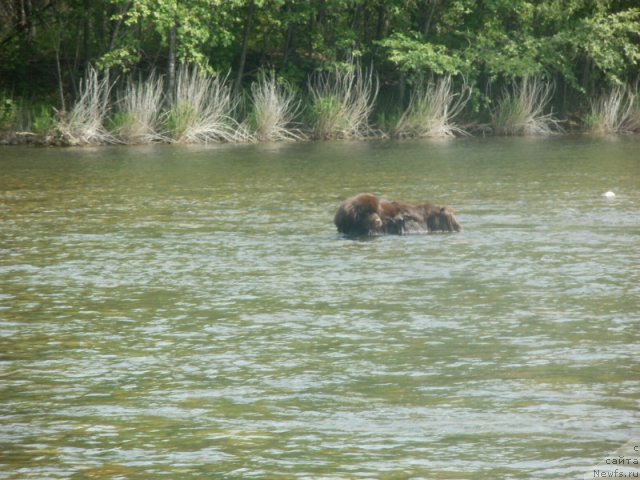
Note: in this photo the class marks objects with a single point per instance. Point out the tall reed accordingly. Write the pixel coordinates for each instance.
(275, 107)
(202, 110)
(85, 123)
(520, 111)
(431, 110)
(617, 111)
(342, 102)
(139, 108)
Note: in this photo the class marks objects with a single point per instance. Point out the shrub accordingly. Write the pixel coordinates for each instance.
(341, 102)
(616, 111)
(432, 108)
(8, 112)
(274, 109)
(520, 111)
(43, 122)
(85, 123)
(202, 110)
(139, 108)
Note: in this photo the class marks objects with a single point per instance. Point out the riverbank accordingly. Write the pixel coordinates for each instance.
(341, 104)
(57, 139)
(12, 138)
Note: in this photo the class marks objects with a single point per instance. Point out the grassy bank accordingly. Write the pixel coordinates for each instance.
(202, 108)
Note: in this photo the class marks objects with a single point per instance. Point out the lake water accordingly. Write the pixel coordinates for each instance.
(190, 312)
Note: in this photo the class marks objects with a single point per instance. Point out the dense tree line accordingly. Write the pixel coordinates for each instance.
(583, 46)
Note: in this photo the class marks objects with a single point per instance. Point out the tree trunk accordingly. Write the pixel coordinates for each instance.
(245, 45)
(171, 63)
(63, 105)
(426, 25)
(116, 28)
(86, 33)
(381, 24)
(288, 39)
(22, 14)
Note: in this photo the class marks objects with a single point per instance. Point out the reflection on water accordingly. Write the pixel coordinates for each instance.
(185, 312)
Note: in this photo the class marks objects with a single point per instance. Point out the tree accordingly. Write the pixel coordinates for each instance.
(585, 45)
(179, 31)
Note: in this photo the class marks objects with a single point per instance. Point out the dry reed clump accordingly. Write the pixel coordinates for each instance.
(275, 108)
(85, 123)
(202, 109)
(520, 111)
(617, 111)
(342, 101)
(431, 110)
(139, 107)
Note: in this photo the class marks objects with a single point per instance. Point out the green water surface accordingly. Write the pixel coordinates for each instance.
(190, 312)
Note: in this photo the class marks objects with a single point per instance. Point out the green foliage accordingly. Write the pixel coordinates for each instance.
(387, 121)
(121, 121)
(593, 122)
(583, 46)
(8, 112)
(191, 21)
(124, 58)
(612, 42)
(412, 55)
(43, 122)
(179, 119)
(327, 117)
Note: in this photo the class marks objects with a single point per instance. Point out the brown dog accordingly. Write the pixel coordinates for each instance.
(364, 214)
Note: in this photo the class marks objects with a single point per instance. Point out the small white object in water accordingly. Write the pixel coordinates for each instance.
(609, 194)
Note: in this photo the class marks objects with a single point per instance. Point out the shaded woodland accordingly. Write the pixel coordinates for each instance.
(575, 60)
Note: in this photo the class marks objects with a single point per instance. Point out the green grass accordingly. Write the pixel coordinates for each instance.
(43, 122)
(8, 112)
